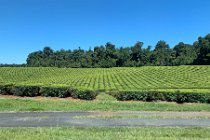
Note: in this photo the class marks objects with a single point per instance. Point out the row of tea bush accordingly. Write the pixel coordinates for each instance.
(32, 91)
(63, 92)
(176, 96)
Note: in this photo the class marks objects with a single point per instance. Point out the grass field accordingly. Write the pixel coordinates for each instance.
(184, 78)
(104, 133)
(103, 102)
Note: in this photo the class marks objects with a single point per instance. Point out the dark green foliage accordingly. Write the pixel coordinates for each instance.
(162, 55)
(108, 55)
(181, 98)
(139, 96)
(61, 92)
(208, 101)
(7, 89)
(193, 97)
(178, 97)
(29, 91)
(184, 54)
(202, 47)
(84, 94)
(170, 96)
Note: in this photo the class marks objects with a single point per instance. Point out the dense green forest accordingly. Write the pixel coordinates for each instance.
(109, 55)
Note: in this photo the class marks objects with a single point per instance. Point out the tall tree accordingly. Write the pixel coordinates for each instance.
(99, 55)
(35, 59)
(110, 56)
(124, 57)
(162, 54)
(184, 54)
(203, 50)
(136, 53)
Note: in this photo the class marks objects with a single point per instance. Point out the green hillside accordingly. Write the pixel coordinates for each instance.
(196, 78)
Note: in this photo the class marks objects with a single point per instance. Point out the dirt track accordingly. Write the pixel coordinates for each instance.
(134, 119)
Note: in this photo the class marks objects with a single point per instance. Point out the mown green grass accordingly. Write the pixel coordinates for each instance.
(103, 102)
(104, 133)
(185, 78)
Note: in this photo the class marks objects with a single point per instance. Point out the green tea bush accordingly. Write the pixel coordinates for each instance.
(179, 97)
(192, 97)
(7, 89)
(27, 90)
(107, 79)
(32, 91)
(84, 94)
(61, 92)
(138, 95)
(170, 96)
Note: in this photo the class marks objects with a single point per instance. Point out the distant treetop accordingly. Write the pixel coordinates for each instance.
(109, 55)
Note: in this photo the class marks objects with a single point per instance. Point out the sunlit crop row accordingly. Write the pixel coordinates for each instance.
(141, 78)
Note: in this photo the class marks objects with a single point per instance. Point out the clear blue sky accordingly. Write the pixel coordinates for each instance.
(29, 25)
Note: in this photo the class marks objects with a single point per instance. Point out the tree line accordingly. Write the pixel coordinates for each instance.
(109, 55)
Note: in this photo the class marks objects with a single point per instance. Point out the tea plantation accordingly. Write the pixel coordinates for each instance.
(180, 79)
(132, 79)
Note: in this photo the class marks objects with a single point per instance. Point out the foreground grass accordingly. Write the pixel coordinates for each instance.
(102, 103)
(104, 133)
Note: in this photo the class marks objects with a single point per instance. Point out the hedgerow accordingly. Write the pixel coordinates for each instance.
(179, 97)
(32, 91)
(61, 92)
(28, 90)
(7, 89)
(84, 94)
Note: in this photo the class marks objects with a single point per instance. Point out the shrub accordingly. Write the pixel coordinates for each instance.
(84, 94)
(208, 100)
(192, 97)
(170, 97)
(30, 91)
(139, 95)
(179, 97)
(61, 92)
(7, 89)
